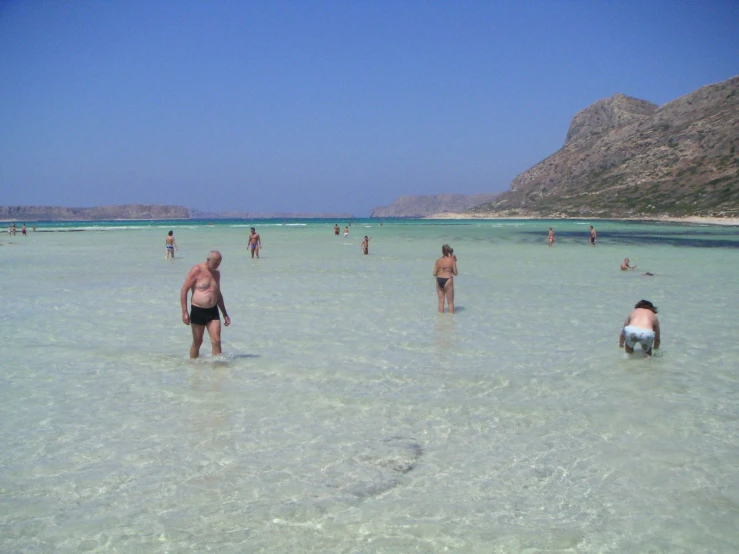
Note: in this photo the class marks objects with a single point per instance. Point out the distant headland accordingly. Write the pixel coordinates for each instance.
(142, 212)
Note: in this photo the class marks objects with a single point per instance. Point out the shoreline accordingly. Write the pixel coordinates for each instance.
(690, 220)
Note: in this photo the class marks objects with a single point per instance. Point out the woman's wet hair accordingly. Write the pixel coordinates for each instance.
(446, 250)
(647, 305)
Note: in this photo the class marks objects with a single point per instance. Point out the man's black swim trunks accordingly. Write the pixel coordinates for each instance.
(203, 316)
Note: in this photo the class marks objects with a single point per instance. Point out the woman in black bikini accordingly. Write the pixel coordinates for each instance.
(444, 271)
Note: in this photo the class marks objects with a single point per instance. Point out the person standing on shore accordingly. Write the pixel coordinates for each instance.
(593, 236)
(255, 243)
(641, 326)
(444, 270)
(551, 237)
(204, 281)
(169, 245)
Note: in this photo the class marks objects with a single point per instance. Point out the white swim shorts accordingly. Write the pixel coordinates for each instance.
(634, 335)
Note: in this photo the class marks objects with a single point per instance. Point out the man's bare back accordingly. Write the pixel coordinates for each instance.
(642, 318)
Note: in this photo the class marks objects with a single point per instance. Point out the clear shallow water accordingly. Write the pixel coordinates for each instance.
(347, 415)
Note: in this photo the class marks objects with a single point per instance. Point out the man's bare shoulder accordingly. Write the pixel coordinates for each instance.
(196, 270)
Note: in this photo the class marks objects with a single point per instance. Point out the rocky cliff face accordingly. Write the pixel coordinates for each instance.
(420, 206)
(130, 211)
(603, 116)
(626, 157)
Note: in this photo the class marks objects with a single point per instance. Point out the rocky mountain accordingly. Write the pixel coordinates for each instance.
(625, 157)
(420, 206)
(55, 213)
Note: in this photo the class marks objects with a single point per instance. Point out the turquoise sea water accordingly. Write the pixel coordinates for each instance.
(347, 415)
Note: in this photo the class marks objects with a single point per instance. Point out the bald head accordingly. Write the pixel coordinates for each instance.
(214, 258)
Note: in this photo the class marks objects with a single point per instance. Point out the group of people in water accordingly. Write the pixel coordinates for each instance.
(592, 233)
(202, 284)
(13, 230)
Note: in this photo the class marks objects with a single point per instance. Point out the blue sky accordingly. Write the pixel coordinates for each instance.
(322, 106)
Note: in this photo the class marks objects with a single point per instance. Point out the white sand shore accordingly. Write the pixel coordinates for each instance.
(730, 221)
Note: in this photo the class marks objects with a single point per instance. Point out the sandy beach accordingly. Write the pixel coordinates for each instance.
(699, 220)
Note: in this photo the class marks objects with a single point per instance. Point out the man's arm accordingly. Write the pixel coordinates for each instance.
(190, 281)
(222, 307)
(656, 333)
(221, 302)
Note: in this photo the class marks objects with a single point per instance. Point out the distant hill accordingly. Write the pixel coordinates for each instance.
(140, 211)
(197, 214)
(420, 206)
(626, 157)
(128, 211)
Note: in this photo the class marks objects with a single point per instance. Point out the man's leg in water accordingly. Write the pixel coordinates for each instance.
(197, 339)
(214, 332)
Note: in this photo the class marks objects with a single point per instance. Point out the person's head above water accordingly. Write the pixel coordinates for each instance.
(646, 305)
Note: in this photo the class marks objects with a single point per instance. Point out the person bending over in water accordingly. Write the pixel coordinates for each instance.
(204, 280)
(444, 270)
(625, 266)
(642, 326)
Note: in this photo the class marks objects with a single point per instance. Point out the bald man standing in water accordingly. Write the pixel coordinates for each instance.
(204, 280)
